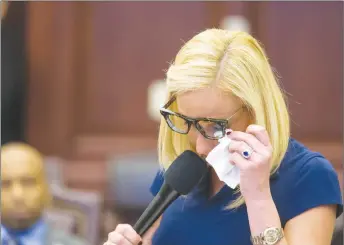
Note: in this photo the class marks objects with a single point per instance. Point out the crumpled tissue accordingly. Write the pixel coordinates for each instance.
(219, 158)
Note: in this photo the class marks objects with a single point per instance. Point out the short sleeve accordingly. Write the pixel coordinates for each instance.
(157, 183)
(315, 184)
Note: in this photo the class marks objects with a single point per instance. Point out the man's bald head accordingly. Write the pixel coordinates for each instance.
(19, 154)
(24, 188)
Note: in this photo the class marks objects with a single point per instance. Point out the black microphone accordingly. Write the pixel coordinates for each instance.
(180, 178)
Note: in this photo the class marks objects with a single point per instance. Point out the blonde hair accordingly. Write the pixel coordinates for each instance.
(236, 63)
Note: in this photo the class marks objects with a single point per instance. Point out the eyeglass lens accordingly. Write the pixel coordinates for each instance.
(207, 128)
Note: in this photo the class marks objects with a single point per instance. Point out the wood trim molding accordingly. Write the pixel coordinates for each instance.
(100, 147)
(87, 170)
(85, 175)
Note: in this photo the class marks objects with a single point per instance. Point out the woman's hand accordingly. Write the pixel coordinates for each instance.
(123, 235)
(255, 168)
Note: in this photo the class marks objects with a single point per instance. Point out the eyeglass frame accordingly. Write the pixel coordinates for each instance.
(195, 121)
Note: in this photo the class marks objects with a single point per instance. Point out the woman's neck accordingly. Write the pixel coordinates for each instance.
(215, 184)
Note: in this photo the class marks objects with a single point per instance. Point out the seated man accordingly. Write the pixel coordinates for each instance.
(24, 196)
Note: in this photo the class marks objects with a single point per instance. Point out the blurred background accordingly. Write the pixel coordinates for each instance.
(82, 83)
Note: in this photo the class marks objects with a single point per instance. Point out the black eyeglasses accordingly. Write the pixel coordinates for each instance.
(210, 128)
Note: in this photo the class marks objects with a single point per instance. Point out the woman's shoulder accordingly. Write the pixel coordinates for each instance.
(301, 159)
(306, 179)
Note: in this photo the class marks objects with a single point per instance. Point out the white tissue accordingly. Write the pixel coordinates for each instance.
(219, 158)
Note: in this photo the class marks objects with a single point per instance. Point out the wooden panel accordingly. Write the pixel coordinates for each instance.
(51, 75)
(85, 174)
(100, 147)
(91, 64)
(123, 58)
(95, 78)
(307, 51)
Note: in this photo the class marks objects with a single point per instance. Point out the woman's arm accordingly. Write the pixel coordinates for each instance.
(262, 214)
(147, 238)
(309, 193)
(314, 226)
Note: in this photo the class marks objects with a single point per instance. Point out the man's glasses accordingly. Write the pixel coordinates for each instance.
(210, 128)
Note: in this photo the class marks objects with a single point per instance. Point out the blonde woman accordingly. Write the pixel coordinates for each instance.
(288, 195)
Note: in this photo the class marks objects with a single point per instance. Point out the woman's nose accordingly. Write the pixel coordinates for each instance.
(203, 145)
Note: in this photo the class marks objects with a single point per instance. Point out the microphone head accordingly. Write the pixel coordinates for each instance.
(185, 172)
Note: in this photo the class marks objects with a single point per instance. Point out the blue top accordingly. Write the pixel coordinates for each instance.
(35, 235)
(304, 180)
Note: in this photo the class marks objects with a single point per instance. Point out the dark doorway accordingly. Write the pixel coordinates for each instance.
(13, 73)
